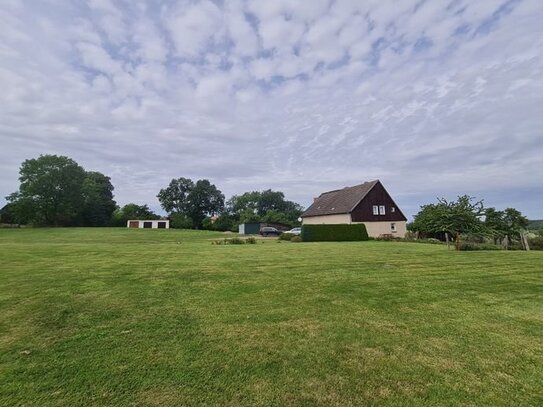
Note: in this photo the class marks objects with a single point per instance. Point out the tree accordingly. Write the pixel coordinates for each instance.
(98, 204)
(133, 211)
(174, 197)
(505, 224)
(203, 200)
(50, 192)
(253, 207)
(455, 217)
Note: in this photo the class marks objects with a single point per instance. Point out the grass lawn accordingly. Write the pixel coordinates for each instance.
(118, 317)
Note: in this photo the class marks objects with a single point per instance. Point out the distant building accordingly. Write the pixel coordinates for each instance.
(368, 203)
(148, 224)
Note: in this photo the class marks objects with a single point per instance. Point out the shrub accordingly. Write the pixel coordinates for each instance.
(296, 239)
(250, 240)
(536, 243)
(236, 240)
(180, 221)
(322, 233)
(286, 236)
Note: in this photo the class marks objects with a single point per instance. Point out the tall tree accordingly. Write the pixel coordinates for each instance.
(50, 192)
(98, 199)
(174, 197)
(203, 200)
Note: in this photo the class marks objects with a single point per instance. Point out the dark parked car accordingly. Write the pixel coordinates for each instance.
(269, 231)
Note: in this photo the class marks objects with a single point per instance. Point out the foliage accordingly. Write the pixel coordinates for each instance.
(455, 217)
(98, 206)
(174, 198)
(266, 206)
(251, 240)
(321, 233)
(50, 192)
(196, 201)
(8, 214)
(536, 243)
(179, 221)
(507, 223)
(286, 236)
(204, 199)
(296, 239)
(56, 191)
(133, 211)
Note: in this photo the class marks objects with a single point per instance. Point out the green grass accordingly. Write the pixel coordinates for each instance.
(117, 317)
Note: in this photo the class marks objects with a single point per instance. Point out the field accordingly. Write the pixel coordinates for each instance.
(117, 317)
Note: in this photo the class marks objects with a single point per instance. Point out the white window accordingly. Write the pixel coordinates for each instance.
(375, 210)
(393, 209)
(381, 209)
(393, 227)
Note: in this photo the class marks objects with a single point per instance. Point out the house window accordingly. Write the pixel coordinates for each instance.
(393, 227)
(381, 209)
(393, 209)
(375, 210)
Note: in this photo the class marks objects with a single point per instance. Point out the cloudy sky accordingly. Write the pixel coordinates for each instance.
(435, 97)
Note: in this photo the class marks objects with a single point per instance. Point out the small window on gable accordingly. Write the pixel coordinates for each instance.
(375, 210)
(381, 209)
(393, 209)
(393, 227)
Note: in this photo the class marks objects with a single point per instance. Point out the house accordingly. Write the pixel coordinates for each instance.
(368, 203)
(148, 224)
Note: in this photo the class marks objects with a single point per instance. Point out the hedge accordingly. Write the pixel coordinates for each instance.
(334, 233)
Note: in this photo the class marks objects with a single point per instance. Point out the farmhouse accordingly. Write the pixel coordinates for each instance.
(368, 203)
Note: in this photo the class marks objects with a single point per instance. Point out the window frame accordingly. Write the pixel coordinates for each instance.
(382, 210)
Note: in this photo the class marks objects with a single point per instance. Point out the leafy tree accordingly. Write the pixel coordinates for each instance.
(8, 214)
(253, 207)
(133, 211)
(50, 192)
(174, 197)
(98, 204)
(203, 200)
(455, 217)
(505, 224)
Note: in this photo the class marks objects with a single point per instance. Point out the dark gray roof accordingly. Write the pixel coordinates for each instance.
(340, 200)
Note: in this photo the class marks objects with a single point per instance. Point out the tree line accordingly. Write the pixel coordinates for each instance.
(57, 191)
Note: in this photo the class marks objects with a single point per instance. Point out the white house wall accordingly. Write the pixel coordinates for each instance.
(375, 229)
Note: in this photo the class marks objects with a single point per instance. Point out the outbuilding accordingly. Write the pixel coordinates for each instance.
(148, 224)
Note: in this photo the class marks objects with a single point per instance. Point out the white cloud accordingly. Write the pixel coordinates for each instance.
(192, 27)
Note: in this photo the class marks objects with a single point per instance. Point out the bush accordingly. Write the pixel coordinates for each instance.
(250, 240)
(337, 233)
(180, 221)
(286, 236)
(296, 239)
(236, 240)
(536, 243)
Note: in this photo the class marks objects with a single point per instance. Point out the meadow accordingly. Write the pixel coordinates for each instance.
(118, 317)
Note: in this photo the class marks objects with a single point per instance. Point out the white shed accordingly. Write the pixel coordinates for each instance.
(148, 224)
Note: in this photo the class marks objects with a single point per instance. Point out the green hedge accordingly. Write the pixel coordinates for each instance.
(334, 233)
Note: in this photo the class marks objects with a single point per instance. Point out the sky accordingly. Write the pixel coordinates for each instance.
(434, 98)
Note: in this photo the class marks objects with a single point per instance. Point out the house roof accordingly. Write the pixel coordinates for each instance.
(340, 200)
